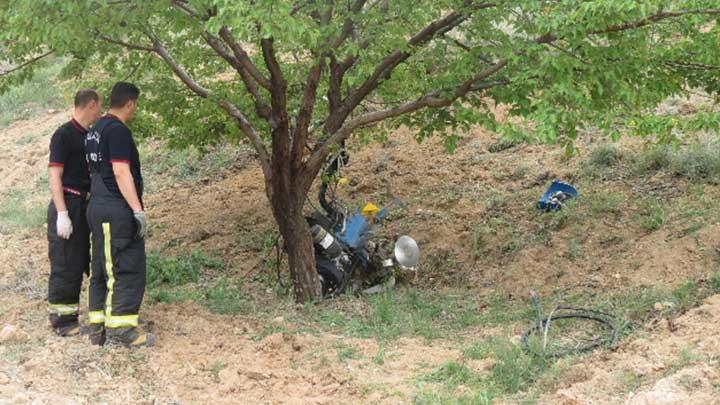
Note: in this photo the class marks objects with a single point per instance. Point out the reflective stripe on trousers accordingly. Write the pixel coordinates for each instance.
(113, 321)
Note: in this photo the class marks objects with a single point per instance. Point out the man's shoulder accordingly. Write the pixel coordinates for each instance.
(65, 128)
(110, 127)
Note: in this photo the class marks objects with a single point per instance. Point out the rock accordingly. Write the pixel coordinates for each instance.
(660, 306)
(253, 375)
(4, 379)
(12, 334)
(278, 321)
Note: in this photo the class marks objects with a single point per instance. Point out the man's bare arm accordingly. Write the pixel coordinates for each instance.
(56, 188)
(125, 182)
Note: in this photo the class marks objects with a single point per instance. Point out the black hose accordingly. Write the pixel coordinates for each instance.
(607, 321)
(333, 213)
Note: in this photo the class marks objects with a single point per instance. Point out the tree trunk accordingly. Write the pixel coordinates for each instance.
(298, 243)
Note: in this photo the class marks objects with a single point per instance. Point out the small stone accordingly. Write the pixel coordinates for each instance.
(253, 375)
(11, 333)
(660, 306)
(4, 379)
(278, 321)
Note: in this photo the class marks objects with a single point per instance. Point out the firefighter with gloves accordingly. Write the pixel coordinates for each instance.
(67, 232)
(117, 221)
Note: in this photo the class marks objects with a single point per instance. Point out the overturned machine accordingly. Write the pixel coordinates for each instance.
(348, 252)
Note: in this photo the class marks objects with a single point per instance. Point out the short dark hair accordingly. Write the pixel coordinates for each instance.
(84, 96)
(123, 92)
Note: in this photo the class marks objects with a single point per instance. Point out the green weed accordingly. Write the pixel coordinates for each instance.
(652, 216)
(225, 298)
(698, 162)
(573, 250)
(178, 270)
(184, 165)
(33, 97)
(17, 213)
(601, 159)
(629, 381)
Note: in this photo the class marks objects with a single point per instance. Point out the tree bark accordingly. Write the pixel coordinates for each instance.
(287, 204)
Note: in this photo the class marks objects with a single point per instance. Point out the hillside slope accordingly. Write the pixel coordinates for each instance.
(636, 237)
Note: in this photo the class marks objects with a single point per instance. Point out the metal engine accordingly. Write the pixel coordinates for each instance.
(346, 251)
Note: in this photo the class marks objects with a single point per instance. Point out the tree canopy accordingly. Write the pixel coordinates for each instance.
(559, 64)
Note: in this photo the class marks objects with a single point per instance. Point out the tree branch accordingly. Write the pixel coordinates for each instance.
(229, 107)
(279, 118)
(261, 107)
(27, 63)
(196, 87)
(651, 19)
(136, 47)
(243, 57)
(433, 99)
(385, 68)
(306, 112)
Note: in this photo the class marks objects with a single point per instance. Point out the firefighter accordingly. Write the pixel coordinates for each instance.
(67, 232)
(117, 221)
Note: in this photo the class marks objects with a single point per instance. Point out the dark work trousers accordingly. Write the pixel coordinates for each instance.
(117, 279)
(69, 259)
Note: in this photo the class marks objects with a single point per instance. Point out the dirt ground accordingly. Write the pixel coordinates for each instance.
(207, 358)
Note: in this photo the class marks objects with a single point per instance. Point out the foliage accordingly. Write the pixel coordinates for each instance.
(566, 63)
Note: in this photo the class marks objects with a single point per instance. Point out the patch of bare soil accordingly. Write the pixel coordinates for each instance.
(24, 149)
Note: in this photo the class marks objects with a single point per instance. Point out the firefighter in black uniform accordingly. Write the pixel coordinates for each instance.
(117, 221)
(68, 233)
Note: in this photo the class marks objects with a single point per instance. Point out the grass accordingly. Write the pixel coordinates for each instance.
(652, 215)
(698, 162)
(216, 368)
(17, 214)
(178, 270)
(513, 371)
(188, 164)
(224, 297)
(346, 352)
(524, 375)
(629, 381)
(33, 97)
(602, 159)
(605, 203)
(189, 277)
(573, 250)
(409, 312)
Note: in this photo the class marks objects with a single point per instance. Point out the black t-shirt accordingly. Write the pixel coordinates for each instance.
(110, 141)
(67, 151)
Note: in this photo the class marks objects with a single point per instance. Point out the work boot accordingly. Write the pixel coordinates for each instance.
(130, 337)
(95, 332)
(65, 325)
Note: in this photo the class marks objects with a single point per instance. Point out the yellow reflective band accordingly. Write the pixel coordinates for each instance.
(108, 269)
(64, 309)
(90, 272)
(96, 316)
(121, 321)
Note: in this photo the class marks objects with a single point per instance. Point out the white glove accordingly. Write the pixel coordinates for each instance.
(64, 225)
(141, 223)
